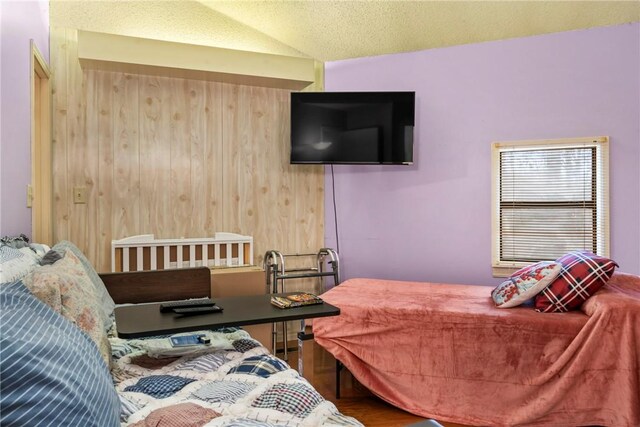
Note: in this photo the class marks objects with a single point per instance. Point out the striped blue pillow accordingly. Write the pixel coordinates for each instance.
(51, 373)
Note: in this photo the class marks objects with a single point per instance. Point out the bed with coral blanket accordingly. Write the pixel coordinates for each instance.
(444, 351)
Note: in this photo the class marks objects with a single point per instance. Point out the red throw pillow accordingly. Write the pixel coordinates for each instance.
(582, 275)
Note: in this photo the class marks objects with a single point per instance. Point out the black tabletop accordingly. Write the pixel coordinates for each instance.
(143, 320)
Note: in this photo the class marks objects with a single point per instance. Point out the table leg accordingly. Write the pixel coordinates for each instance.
(305, 339)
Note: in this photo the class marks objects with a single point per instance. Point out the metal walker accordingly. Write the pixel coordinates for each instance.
(276, 273)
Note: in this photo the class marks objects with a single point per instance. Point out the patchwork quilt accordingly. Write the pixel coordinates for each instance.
(234, 382)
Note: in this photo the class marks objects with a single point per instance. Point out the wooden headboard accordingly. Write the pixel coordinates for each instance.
(162, 285)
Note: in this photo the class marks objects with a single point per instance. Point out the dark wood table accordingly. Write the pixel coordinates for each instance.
(145, 320)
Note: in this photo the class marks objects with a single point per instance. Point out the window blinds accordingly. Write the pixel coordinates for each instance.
(551, 198)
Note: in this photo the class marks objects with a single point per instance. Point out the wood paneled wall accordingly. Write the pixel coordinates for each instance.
(176, 158)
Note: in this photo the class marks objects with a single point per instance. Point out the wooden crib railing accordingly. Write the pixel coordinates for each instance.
(142, 253)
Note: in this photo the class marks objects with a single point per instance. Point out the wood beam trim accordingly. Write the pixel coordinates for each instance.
(135, 55)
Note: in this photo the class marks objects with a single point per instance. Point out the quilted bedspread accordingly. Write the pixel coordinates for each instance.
(235, 382)
(445, 352)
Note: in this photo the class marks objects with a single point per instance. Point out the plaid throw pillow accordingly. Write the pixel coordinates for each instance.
(582, 275)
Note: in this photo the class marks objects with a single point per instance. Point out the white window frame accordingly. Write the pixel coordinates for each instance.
(503, 268)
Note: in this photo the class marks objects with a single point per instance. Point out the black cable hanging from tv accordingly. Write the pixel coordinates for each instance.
(335, 211)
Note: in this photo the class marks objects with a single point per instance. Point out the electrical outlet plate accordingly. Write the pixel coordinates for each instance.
(79, 195)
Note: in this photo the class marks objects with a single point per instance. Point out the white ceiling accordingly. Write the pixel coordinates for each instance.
(333, 30)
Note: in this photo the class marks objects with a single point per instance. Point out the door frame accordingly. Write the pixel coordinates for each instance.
(41, 190)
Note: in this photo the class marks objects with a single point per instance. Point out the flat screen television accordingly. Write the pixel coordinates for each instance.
(352, 127)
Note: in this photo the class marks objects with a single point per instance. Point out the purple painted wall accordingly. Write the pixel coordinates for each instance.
(432, 221)
(20, 21)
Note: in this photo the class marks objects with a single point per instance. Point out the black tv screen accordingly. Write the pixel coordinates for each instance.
(352, 127)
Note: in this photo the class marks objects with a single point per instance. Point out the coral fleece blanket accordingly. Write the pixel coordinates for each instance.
(445, 352)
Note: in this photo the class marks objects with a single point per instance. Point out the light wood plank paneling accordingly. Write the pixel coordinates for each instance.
(230, 119)
(180, 186)
(60, 101)
(77, 155)
(176, 158)
(254, 106)
(275, 174)
(105, 112)
(285, 186)
(238, 159)
(155, 155)
(196, 99)
(126, 159)
(266, 197)
(90, 154)
(213, 173)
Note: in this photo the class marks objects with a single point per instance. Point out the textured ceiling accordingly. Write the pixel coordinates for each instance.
(333, 30)
(179, 21)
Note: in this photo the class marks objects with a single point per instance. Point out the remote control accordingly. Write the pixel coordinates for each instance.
(167, 307)
(192, 311)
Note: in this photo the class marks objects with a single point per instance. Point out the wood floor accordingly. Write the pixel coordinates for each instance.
(355, 399)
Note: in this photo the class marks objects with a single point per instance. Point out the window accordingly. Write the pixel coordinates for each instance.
(548, 197)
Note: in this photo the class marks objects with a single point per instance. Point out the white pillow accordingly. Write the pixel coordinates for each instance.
(525, 284)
